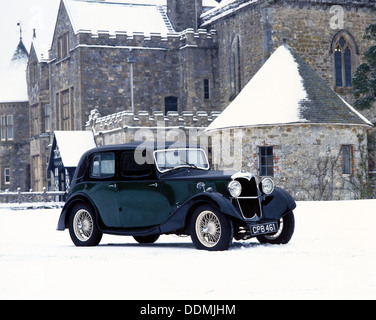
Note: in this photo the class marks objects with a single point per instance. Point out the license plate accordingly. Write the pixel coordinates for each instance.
(265, 228)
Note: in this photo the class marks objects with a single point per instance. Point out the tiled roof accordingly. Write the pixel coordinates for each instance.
(323, 105)
(287, 90)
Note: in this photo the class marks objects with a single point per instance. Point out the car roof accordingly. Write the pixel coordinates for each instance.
(148, 145)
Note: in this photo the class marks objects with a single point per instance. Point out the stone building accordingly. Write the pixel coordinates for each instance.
(116, 56)
(288, 124)
(14, 124)
(179, 60)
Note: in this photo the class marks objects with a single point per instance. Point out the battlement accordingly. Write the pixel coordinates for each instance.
(126, 126)
(127, 119)
(201, 38)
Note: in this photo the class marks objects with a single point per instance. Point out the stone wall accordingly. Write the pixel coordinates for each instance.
(125, 127)
(97, 71)
(310, 27)
(307, 158)
(15, 152)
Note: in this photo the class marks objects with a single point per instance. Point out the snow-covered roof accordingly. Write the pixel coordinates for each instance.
(41, 50)
(72, 145)
(286, 90)
(225, 8)
(120, 16)
(13, 85)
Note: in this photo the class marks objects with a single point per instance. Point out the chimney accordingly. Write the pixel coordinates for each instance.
(184, 14)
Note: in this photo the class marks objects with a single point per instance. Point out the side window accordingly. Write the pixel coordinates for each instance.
(103, 166)
(266, 166)
(131, 169)
(171, 104)
(346, 159)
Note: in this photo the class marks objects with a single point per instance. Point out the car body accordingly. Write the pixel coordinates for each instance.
(146, 189)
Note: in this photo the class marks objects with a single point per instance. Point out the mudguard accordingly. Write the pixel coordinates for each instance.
(277, 204)
(178, 219)
(62, 223)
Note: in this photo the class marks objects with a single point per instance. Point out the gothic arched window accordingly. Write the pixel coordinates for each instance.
(343, 63)
(236, 70)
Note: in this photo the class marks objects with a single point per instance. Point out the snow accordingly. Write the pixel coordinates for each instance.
(332, 255)
(223, 9)
(116, 17)
(73, 144)
(355, 111)
(272, 96)
(13, 85)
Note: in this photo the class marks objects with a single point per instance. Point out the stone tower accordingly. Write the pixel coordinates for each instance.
(184, 14)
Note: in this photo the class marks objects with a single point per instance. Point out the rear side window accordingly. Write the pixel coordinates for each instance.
(103, 166)
(131, 169)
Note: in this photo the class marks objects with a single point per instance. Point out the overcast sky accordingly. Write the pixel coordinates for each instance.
(38, 14)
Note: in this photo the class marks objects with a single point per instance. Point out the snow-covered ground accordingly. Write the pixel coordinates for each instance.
(331, 256)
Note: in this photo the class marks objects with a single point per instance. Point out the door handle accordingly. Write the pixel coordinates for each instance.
(155, 185)
(112, 185)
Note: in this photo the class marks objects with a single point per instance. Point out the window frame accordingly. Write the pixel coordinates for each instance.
(140, 174)
(346, 159)
(10, 127)
(62, 46)
(266, 169)
(3, 125)
(171, 104)
(100, 175)
(7, 128)
(206, 89)
(343, 62)
(7, 176)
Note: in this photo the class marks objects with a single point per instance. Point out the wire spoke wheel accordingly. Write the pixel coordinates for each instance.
(83, 225)
(276, 235)
(208, 229)
(284, 233)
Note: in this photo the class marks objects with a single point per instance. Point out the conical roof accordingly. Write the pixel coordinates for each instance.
(21, 52)
(286, 90)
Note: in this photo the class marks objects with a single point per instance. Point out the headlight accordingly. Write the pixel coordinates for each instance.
(235, 188)
(267, 185)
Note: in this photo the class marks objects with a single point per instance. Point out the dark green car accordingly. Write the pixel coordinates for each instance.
(145, 190)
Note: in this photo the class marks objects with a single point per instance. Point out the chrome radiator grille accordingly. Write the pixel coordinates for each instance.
(248, 201)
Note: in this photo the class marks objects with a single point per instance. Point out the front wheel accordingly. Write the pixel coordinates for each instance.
(211, 229)
(82, 226)
(284, 233)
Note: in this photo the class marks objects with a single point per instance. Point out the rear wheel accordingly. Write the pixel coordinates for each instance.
(284, 233)
(82, 226)
(211, 229)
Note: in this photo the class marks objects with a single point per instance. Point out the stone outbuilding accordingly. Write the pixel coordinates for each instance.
(288, 124)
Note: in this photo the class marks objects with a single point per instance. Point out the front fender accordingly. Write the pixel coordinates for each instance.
(177, 220)
(277, 204)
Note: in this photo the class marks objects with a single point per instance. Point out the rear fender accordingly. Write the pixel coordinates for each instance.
(64, 216)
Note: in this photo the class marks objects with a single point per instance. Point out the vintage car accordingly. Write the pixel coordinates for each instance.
(145, 190)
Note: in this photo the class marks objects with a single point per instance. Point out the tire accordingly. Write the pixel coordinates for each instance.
(210, 229)
(82, 226)
(147, 239)
(284, 233)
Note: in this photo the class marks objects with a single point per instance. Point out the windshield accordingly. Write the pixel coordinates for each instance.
(170, 159)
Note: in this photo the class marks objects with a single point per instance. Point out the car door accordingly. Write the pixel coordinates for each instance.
(101, 188)
(140, 198)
